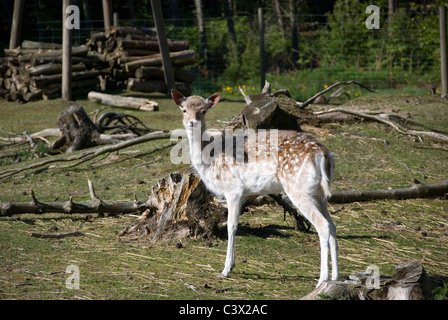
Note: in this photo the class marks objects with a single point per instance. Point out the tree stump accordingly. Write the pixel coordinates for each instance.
(268, 112)
(180, 207)
(409, 282)
(77, 130)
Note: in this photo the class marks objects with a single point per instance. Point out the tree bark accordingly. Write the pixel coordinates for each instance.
(202, 33)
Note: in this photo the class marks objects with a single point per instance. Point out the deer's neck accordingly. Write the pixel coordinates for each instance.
(197, 145)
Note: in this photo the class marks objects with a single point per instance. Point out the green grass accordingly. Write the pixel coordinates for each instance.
(273, 260)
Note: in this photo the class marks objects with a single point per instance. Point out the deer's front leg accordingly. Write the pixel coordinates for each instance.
(234, 209)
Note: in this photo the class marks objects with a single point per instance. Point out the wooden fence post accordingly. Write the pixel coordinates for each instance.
(16, 27)
(66, 90)
(443, 51)
(116, 19)
(107, 14)
(262, 53)
(163, 44)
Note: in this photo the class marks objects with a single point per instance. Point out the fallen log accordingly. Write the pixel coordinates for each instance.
(123, 102)
(416, 191)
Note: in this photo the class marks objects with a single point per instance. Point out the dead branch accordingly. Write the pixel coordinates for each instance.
(69, 207)
(51, 132)
(32, 144)
(391, 120)
(345, 83)
(56, 235)
(90, 154)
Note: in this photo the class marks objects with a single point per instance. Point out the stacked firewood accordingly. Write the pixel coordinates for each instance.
(34, 71)
(135, 61)
(122, 57)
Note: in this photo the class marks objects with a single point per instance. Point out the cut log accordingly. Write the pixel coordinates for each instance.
(123, 102)
(156, 86)
(124, 31)
(177, 58)
(156, 72)
(27, 44)
(43, 80)
(135, 52)
(52, 68)
(174, 45)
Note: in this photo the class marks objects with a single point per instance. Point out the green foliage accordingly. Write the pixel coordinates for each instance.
(441, 293)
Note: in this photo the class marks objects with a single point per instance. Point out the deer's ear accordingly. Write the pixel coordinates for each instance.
(214, 99)
(177, 97)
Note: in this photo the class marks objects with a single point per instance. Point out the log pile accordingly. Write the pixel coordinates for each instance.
(122, 57)
(134, 60)
(34, 71)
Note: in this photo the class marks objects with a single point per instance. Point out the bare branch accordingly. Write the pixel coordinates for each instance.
(390, 120)
(90, 154)
(310, 100)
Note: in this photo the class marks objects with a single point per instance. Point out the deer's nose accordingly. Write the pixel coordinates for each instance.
(192, 123)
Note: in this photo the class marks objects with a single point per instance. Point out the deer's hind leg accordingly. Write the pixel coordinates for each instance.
(313, 206)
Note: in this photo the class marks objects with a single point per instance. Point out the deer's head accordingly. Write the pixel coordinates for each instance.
(194, 108)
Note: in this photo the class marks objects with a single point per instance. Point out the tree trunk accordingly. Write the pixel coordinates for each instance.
(229, 17)
(202, 33)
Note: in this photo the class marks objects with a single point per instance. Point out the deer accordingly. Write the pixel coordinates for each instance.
(301, 167)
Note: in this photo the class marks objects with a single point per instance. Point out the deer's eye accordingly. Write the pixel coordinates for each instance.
(184, 111)
(204, 111)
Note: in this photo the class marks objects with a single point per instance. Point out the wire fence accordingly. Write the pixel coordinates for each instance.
(328, 48)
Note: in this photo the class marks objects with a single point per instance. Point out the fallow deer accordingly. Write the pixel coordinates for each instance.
(297, 165)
